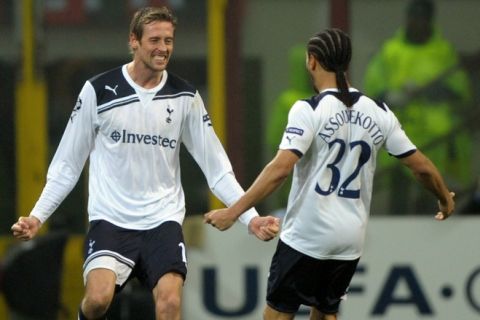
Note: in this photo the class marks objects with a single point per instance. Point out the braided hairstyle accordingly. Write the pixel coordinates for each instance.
(333, 50)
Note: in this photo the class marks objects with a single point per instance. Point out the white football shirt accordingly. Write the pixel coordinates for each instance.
(133, 136)
(329, 201)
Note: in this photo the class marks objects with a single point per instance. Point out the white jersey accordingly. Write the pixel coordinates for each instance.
(133, 136)
(329, 201)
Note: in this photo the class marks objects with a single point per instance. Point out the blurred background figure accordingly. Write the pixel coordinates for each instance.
(418, 74)
(299, 88)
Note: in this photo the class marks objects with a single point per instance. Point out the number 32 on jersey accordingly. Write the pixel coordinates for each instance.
(339, 182)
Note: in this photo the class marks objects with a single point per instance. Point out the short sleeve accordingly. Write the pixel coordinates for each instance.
(300, 130)
(397, 142)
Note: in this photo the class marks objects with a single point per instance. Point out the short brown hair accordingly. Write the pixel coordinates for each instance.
(147, 15)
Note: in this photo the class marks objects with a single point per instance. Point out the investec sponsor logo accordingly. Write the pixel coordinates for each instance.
(140, 138)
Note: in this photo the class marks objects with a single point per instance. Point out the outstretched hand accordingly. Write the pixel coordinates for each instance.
(26, 228)
(446, 209)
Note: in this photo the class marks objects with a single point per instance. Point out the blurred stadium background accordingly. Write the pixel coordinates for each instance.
(236, 53)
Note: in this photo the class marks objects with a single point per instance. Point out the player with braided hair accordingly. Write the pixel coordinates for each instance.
(331, 142)
(333, 50)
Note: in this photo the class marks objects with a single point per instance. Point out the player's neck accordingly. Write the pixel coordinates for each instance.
(144, 77)
(325, 80)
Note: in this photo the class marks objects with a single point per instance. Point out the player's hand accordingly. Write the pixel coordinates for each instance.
(446, 209)
(26, 228)
(222, 219)
(264, 228)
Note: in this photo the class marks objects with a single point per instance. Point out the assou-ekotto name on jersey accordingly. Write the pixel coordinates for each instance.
(329, 201)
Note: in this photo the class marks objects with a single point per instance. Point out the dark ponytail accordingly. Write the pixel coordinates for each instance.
(333, 50)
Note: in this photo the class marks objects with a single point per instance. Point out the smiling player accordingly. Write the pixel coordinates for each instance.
(130, 122)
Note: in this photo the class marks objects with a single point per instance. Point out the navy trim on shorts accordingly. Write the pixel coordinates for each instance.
(149, 253)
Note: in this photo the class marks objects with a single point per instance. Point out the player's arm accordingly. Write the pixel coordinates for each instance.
(298, 136)
(201, 141)
(271, 177)
(66, 165)
(428, 175)
(203, 144)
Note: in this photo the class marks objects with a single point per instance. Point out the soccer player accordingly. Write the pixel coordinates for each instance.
(331, 142)
(130, 122)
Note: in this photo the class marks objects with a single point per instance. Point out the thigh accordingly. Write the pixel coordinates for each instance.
(282, 294)
(163, 251)
(110, 247)
(296, 279)
(332, 284)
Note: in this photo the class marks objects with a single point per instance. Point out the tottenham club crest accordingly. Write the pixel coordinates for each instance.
(90, 246)
(169, 117)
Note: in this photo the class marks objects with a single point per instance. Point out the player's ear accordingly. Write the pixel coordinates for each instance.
(133, 42)
(311, 62)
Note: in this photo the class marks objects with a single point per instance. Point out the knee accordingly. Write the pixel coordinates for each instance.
(95, 306)
(169, 304)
